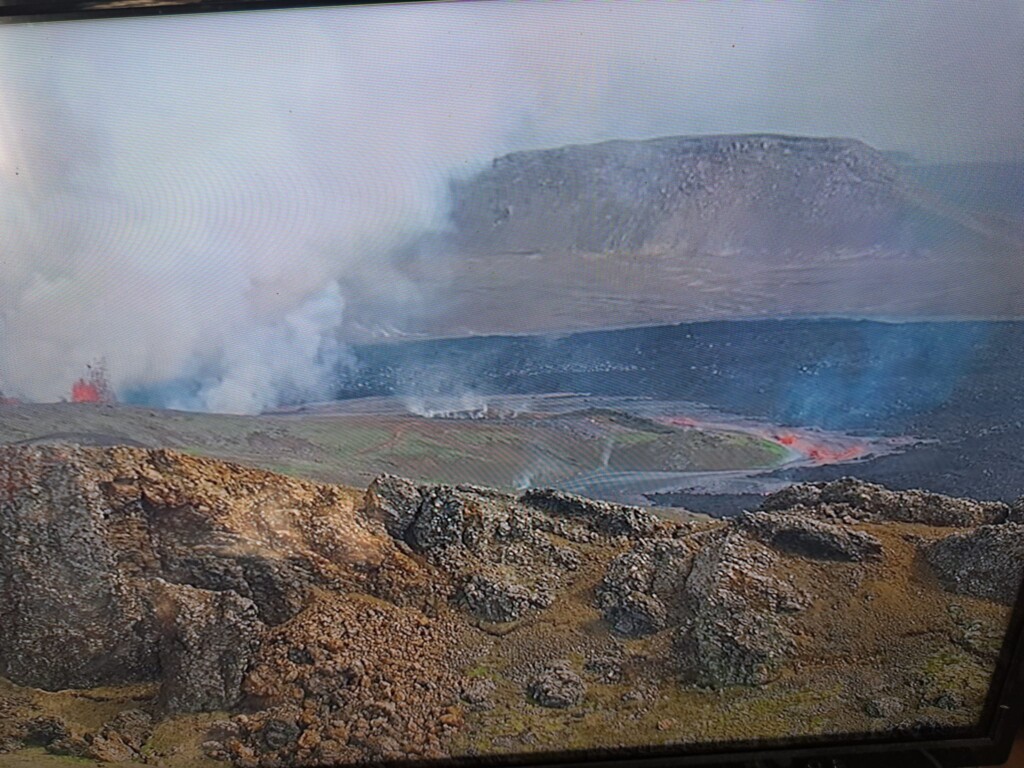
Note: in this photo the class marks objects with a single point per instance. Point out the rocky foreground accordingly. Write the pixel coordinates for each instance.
(165, 609)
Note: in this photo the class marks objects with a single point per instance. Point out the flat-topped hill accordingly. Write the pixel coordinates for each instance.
(627, 233)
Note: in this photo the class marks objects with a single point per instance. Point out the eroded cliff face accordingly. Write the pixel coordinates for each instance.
(118, 564)
(793, 194)
(681, 228)
(328, 625)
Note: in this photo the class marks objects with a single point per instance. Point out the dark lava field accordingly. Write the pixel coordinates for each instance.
(955, 386)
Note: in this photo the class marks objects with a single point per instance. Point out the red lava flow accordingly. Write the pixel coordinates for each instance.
(813, 447)
(819, 452)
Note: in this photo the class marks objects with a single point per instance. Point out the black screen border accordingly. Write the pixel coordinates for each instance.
(988, 743)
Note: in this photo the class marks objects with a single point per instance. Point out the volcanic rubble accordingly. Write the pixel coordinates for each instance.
(141, 590)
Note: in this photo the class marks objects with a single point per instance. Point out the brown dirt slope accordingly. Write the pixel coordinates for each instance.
(208, 612)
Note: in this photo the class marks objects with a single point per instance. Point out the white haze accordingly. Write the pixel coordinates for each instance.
(201, 196)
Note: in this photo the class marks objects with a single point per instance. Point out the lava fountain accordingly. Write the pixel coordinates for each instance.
(94, 387)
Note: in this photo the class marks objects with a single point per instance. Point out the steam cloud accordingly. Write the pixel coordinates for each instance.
(206, 197)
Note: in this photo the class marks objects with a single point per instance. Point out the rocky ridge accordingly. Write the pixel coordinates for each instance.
(418, 621)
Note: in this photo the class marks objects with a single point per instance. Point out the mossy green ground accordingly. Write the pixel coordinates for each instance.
(351, 449)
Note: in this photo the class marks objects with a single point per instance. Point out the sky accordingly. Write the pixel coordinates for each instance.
(197, 196)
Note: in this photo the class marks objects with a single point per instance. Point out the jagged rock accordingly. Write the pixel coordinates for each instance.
(497, 549)
(987, 562)
(478, 693)
(860, 500)
(367, 650)
(71, 615)
(1016, 511)
(606, 667)
(879, 503)
(86, 532)
(883, 707)
(636, 614)
(557, 686)
(638, 584)
(278, 588)
(44, 730)
(806, 537)
(495, 599)
(207, 641)
(602, 517)
(733, 634)
(394, 501)
(440, 521)
(729, 643)
(798, 495)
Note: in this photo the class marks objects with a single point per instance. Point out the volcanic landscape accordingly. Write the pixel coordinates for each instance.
(626, 517)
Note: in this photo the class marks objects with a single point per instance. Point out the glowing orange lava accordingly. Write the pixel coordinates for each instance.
(820, 453)
(819, 449)
(83, 391)
(94, 387)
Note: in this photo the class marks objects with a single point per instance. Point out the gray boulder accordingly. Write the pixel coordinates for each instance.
(277, 586)
(987, 562)
(735, 632)
(601, 517)
(494, 598)
(557, 686)
(639, 587)
(806, 537)
(883, 707)
(440, 521)
(849, 497)
(394, 501)
(207, 641)
(798, 495)
(879, 503)
(636, 614)
(72, 617)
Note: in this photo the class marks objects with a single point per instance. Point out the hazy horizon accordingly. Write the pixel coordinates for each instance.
(212, 192)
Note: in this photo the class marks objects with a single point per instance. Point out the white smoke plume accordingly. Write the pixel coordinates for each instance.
(214, 195)
(290, 361)
(466, 404)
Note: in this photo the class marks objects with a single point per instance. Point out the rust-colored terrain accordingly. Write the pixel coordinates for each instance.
(157, 608)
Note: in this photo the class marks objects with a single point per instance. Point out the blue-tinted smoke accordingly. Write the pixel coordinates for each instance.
(890, 370)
